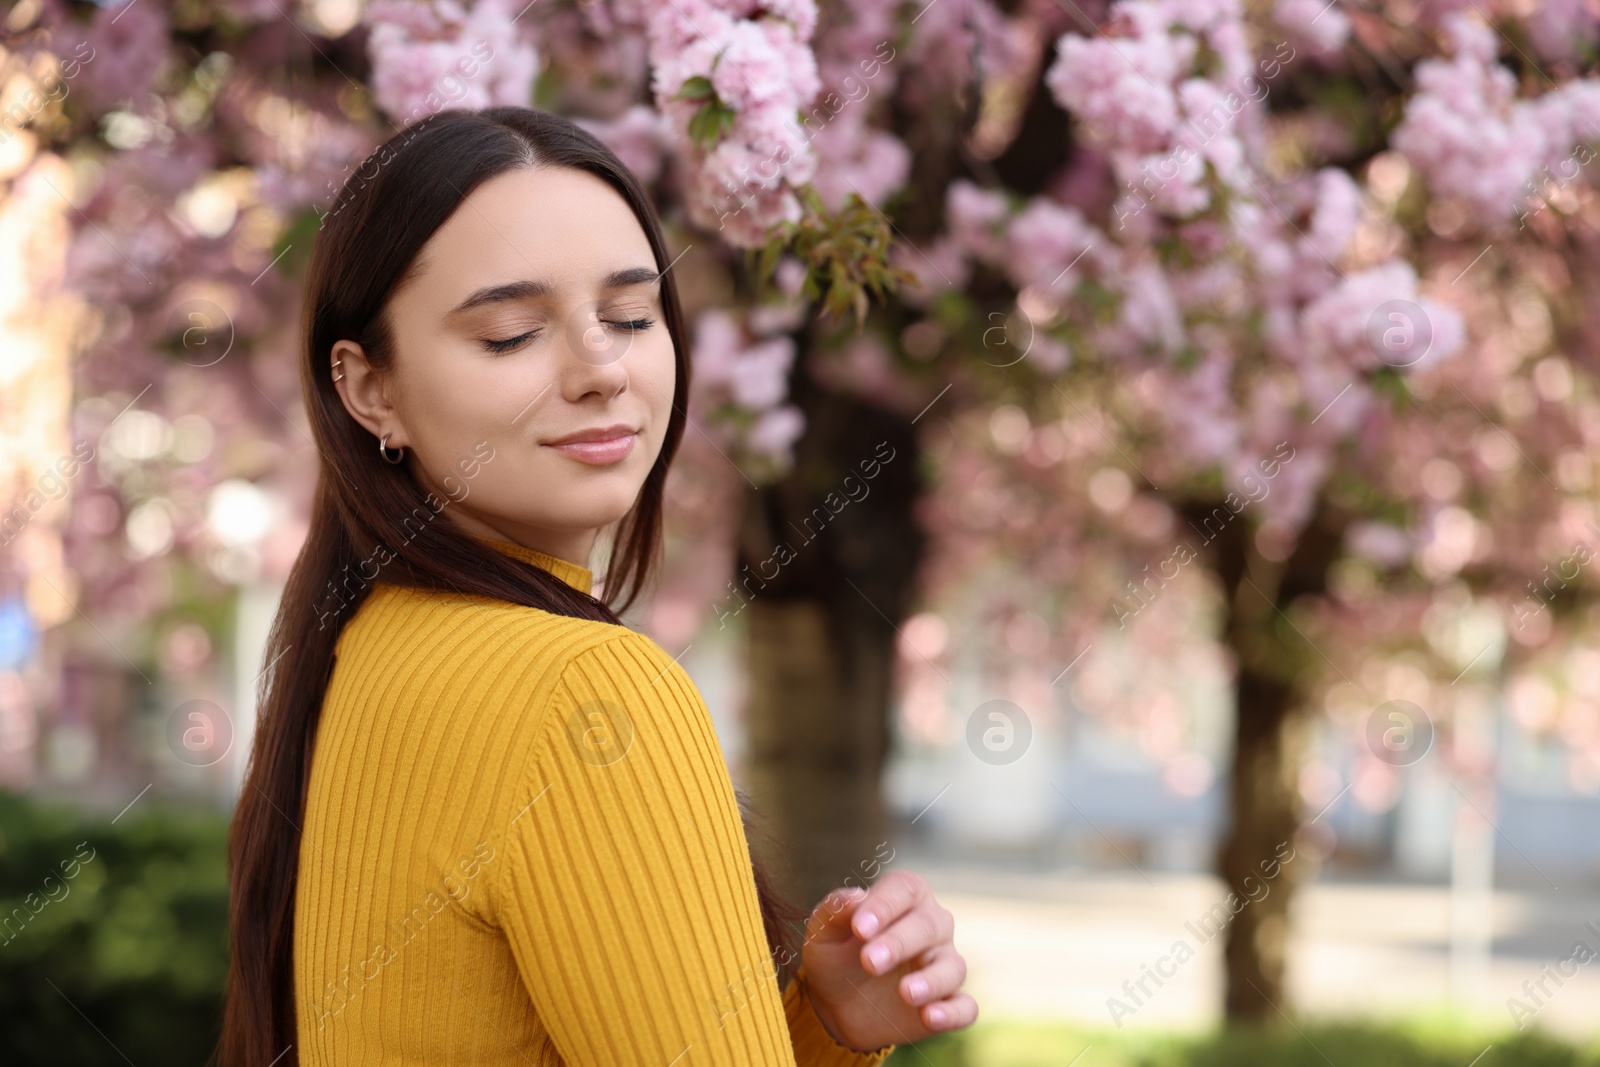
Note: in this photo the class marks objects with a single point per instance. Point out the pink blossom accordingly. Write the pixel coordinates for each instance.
(939, 265)
(738, 166)
(637, 137)
(1316, 24)
(954, 42)
(753, 376)
(717, 340)
(1336, 215)
(750, 68)
(1381, 542)
(130, 44)
(1336, 399)
(515, 66)
(1449, 332)
(801, 14)
(1465, 131)
(770, 130)
(316, 178)
(855, 158)
(1172, 182)
(1199, 16)
(745, 221)
(1569, 117)
(428, 56)
(974, 215)
(763, 71)
(1050, 354)
(1149, 311)
(1199, 412)
(759, 378)
(413, 18)
(1211, 284)
(676, 25)
(775, 432)
(765, 320)
(1295, 489)
(790, 274)
(671, 70)
(1335, 325)
(1211, 119)
(1121, 89)
(1044, 240)
(1355, 322)
(1559, 29)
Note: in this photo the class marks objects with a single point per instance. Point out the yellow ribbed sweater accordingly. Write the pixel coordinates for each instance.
(522, 847)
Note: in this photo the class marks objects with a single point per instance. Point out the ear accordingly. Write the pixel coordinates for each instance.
(365, 393)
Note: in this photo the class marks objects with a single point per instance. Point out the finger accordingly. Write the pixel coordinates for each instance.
(951, 1013)
(890, 897)
(924, 927)
(830, 919)
(942, 977)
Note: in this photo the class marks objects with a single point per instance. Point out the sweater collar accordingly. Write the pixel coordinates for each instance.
(580, 578)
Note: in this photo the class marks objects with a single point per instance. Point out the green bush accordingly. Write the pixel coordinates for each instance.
(113, 938)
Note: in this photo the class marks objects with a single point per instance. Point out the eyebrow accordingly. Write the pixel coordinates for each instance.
(534, 288)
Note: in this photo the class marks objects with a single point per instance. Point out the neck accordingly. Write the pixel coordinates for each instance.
(574, 547)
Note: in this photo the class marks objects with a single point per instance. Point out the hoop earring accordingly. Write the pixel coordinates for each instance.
(339, 376)
(383, 450)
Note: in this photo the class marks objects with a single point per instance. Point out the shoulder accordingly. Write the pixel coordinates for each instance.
(621, 727)
(624, 660)
(473, 675)
(617, 689)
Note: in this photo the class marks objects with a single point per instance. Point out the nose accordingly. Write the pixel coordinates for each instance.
(595, 363)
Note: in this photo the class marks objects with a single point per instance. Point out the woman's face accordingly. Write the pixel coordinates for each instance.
(533, 372)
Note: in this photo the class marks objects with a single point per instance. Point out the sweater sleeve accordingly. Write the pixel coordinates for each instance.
(627, 895)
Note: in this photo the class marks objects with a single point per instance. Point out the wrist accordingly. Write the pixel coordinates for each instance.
(822, 1013)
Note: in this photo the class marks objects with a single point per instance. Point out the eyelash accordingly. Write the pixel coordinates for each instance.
(506, 345)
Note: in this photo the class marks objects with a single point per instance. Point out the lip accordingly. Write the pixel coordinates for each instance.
(599, 445)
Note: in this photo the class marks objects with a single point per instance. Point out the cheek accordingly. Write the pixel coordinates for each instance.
(449, 413)
(658, 368)
(443, 400)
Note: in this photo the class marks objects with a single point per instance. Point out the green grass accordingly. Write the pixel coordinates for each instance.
(1430, 1041)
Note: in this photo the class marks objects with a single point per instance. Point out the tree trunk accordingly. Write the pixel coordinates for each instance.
(822, 633)
(1264, 810)
(1274, 662)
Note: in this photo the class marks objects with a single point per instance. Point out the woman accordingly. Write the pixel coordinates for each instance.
(483, 822)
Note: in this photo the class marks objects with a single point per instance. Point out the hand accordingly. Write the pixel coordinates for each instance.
(865, 1002)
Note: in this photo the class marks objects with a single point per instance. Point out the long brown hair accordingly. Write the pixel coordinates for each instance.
(386, 211)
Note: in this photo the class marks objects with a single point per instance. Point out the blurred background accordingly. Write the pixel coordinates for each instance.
(1142, 475)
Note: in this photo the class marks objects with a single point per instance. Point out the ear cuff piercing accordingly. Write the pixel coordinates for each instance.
(383, 443)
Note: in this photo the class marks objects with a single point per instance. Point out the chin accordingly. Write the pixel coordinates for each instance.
(597, 509)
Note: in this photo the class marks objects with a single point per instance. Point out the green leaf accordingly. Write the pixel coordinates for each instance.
(698, 87)
(710, 123)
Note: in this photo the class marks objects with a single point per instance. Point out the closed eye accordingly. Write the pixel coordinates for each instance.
(508, 343)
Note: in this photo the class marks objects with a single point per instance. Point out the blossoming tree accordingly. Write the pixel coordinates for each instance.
(1238, 300)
